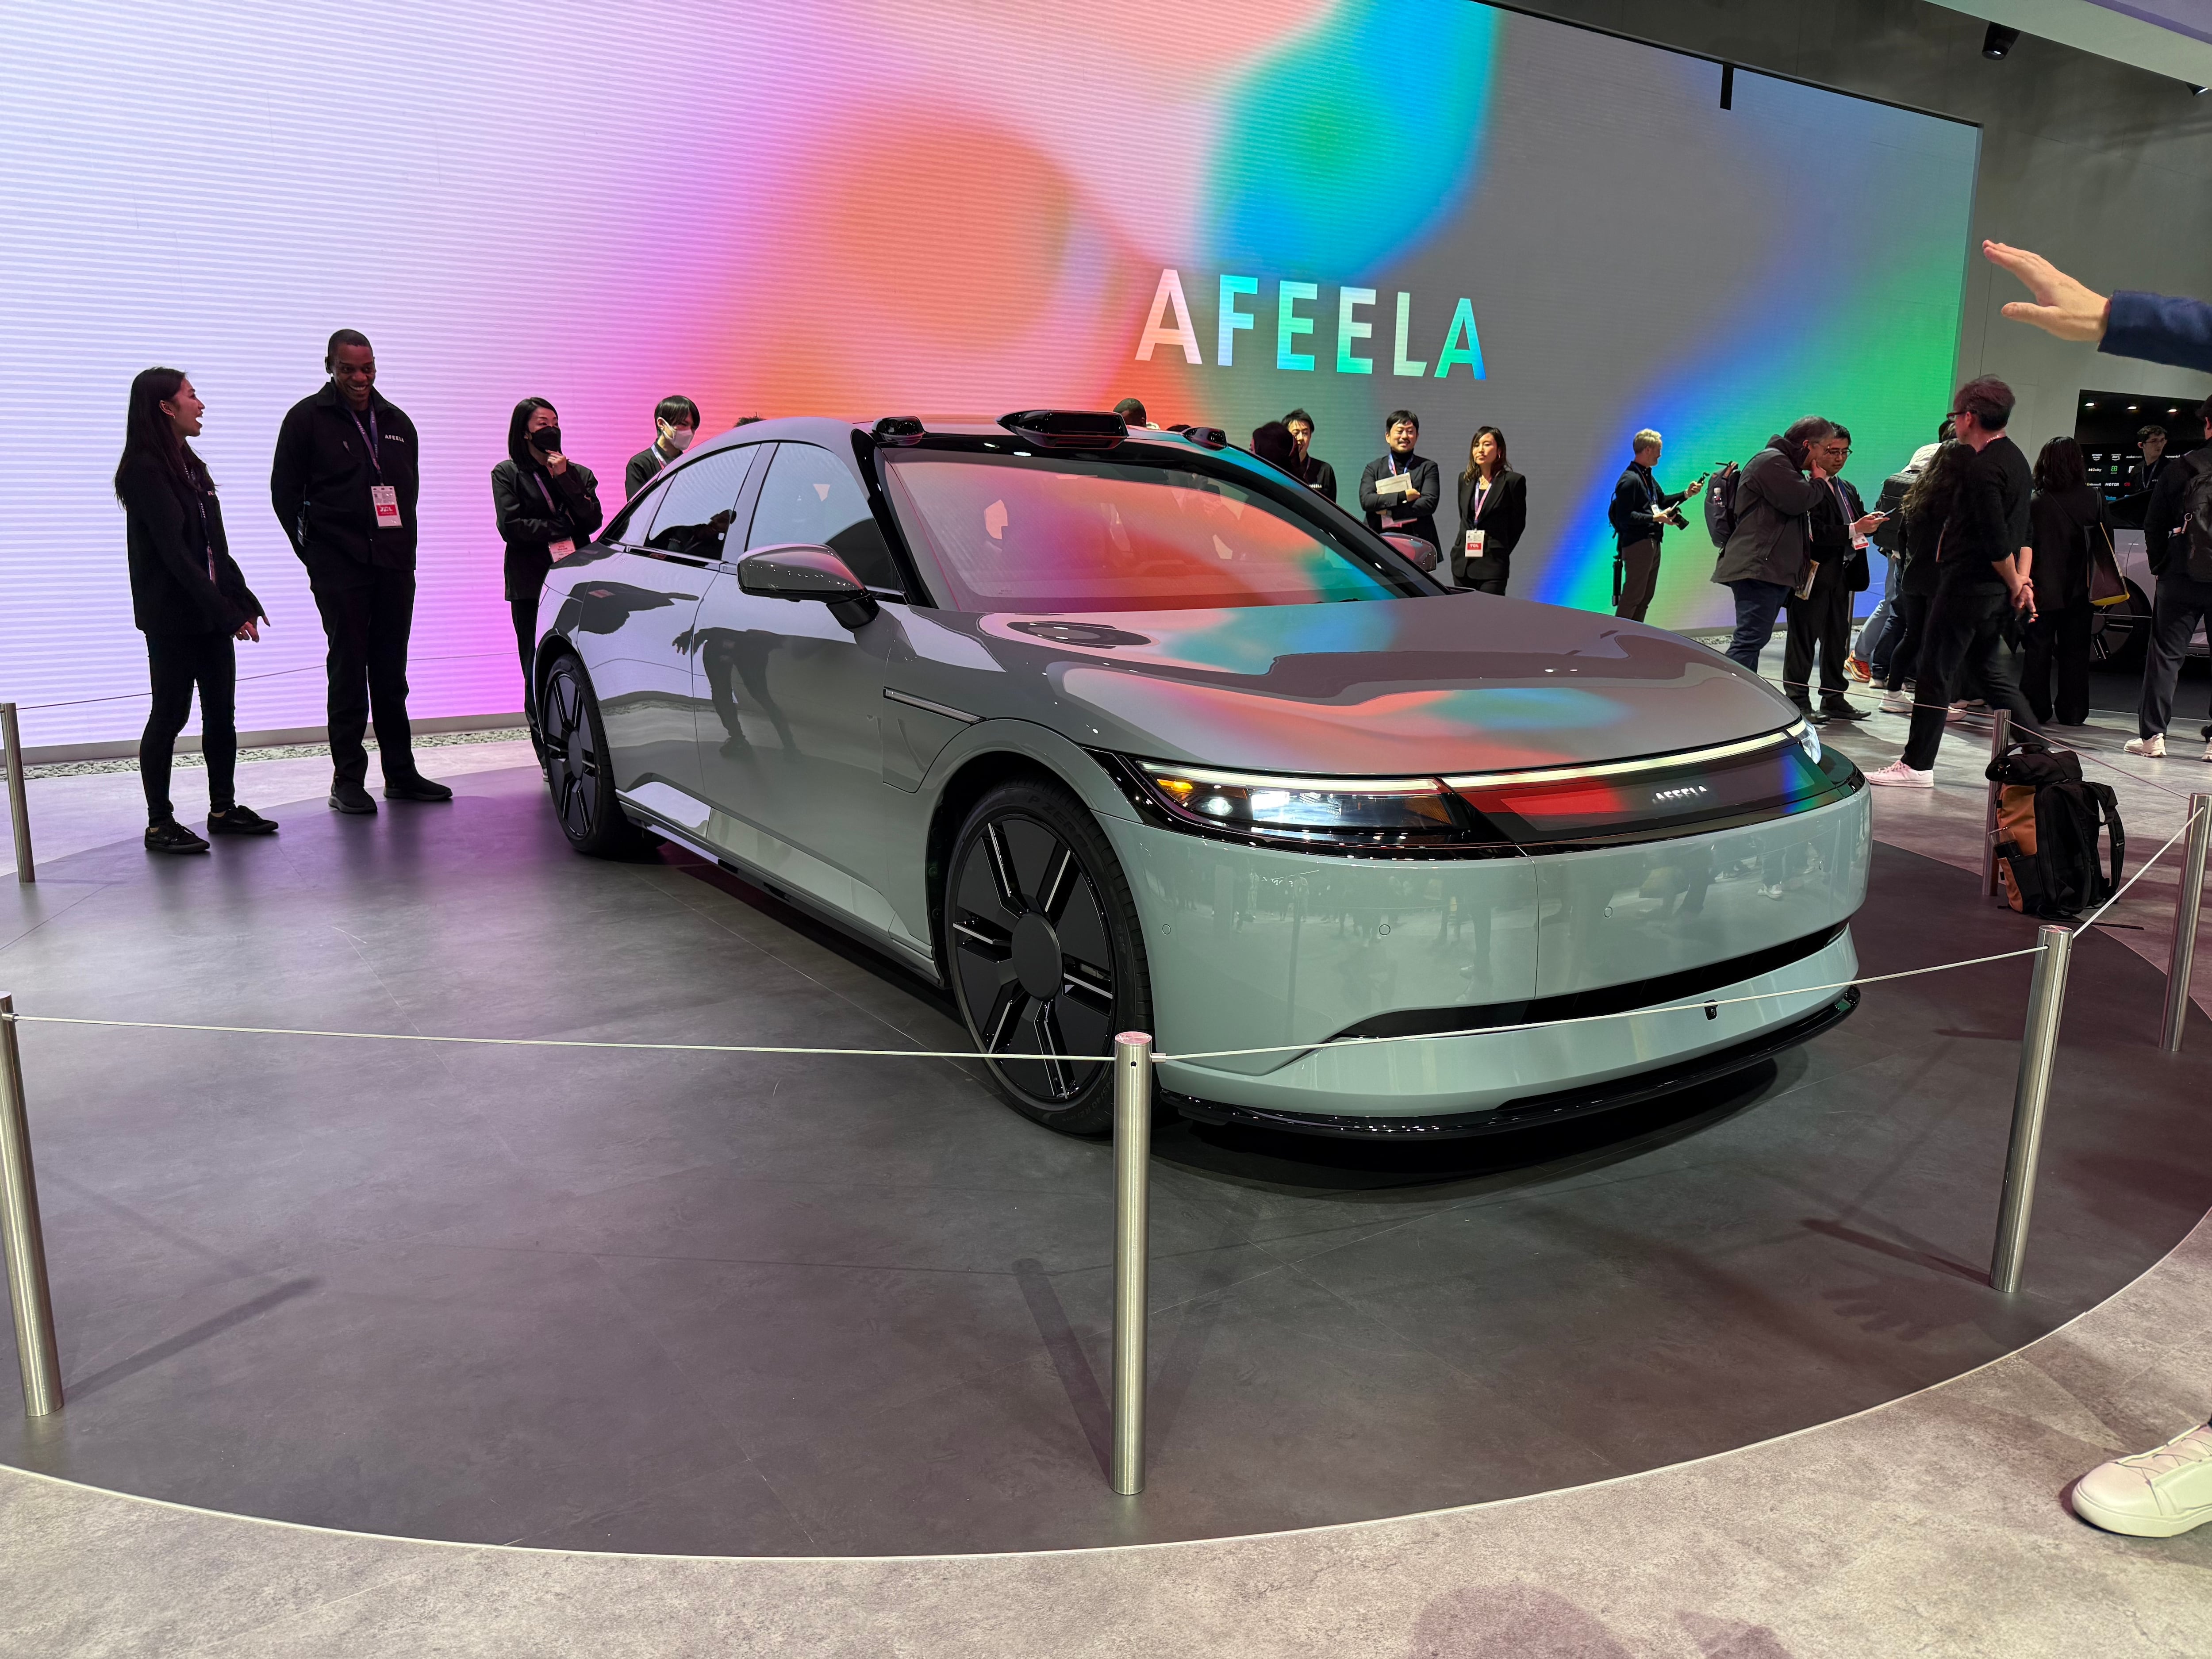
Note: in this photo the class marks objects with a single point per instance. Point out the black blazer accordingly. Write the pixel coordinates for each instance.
(170, 589)
(529, 527)
(1420, 507)
(1504, 516)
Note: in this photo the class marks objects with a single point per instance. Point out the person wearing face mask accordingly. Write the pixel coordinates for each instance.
(189, 599)
(547, 505)
(675, 423)
(344, 485)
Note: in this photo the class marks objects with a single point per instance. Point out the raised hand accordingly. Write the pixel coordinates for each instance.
(2063, 307)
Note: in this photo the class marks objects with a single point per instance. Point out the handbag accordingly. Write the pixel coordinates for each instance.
(2106, 585)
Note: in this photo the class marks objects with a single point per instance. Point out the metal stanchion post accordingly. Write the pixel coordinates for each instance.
(2039, 1047)
(2183, 956)
(1133, 1151)
(2000, 735)
(19, 803)
(25, 1246)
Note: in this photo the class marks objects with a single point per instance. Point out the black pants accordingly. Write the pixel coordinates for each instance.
(1965, 634)
(176, 663)
(1820, 622)
(367, 613)
(1487, 585)
(1908, 625)
(525, 612)
(2181, 604)
(2058, 646)
(1639, 579)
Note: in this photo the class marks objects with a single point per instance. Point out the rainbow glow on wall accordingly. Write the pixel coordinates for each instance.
(858, 206)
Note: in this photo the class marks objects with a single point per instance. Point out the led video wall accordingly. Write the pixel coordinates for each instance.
(861, 207)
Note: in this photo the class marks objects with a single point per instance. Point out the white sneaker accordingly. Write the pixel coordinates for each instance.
(2207, 752)
(1897, 702)
(2160, 1493)
(1901, 775)
(2153, 746)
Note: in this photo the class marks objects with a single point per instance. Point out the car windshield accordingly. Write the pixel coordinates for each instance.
(1067, 534)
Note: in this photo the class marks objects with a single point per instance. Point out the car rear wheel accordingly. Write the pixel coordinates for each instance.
(576, 770)
(1045, 952)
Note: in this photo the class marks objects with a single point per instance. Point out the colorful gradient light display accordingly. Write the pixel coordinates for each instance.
(862, 208)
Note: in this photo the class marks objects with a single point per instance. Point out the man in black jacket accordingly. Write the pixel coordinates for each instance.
(2184, 597)
(1822, 621)
(345, 486)
(1640, 513)
(675, 423)
(1399, 490)
(1309, 468)
(1982, 583)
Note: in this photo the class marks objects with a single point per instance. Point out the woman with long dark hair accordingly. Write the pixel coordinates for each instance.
(1493, 511)
(2065, 519)
(189, 599)
(1930, 503)
(547, 505)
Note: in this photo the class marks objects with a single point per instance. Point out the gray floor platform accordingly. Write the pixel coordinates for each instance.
(717, 1304)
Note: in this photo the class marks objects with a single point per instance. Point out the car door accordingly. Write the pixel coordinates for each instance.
(631, 614)
(789, 699)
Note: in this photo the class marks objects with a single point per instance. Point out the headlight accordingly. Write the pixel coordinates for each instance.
(1808, 738)
(1370, 811)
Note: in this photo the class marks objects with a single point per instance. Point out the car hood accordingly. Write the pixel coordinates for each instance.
(1373, 688)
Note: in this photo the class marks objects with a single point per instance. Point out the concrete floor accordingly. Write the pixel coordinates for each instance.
(1933, 1524)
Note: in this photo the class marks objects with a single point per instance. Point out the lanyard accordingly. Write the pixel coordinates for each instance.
(368, 435)
(551, 506)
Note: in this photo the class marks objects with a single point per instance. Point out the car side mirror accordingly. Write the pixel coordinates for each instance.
(800, 570)
(1421, 551)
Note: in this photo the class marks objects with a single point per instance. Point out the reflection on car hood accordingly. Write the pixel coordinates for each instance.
(1467, 683)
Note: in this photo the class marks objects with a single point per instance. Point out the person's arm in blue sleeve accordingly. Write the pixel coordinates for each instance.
(2152, 327)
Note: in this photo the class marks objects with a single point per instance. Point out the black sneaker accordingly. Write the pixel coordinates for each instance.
(170, 836)
(351, 798)
(1812, 716)
(415, 788)
(240, 821)
(1836, 709)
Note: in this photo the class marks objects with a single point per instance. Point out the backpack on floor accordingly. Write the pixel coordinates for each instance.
(2048, 824)
(1721, 515)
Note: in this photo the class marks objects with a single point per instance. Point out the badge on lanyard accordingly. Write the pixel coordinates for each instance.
(1475, 543)
(560, 548)
(385, 498)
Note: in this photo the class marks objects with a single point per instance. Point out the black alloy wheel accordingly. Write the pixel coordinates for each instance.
(582, 783)
(1046, 955)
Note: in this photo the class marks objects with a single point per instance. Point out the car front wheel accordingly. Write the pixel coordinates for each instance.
(576, 769)
(1046, 957)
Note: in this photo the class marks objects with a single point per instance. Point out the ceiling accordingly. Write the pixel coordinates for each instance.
(2166, 37)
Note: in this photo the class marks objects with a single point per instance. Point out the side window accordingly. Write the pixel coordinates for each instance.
(630, 524)
(810, 496)
(695, 509)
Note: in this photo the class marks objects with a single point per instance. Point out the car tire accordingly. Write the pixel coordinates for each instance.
(582, 783)
(1045, 952)
(2119, 634)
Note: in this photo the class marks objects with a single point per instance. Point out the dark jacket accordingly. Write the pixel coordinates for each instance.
(169, 544)
(1316, 475)
(2060, 526)
(1636, 499)
(1925, 542)
(320, 481)
(644, 467)
(2159, 330)
(1773, 498)
(529, 522)
(2169, 505)
(1504, 516)
(1420, 507)
(1992, 517)
(1829, 533)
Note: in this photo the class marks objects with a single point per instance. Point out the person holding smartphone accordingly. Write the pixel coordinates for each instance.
(547, 506)
(1640, 513)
